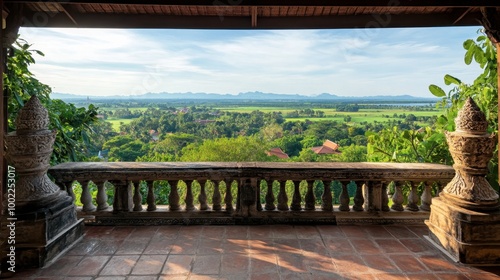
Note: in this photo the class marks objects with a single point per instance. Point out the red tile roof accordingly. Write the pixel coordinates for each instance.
(328, 147)
(277, 152)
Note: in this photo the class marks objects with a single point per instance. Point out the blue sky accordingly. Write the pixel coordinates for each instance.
(355, 62)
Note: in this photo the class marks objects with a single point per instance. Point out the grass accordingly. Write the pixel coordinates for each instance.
(366, 115)
(117, 122)
(113, 109)
(363, 115)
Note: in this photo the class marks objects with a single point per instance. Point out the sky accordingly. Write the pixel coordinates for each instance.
(344, 62)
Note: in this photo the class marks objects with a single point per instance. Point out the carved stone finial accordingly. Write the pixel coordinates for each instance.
(28, 149)
(32, 117)
(470, 119)
(471, 148)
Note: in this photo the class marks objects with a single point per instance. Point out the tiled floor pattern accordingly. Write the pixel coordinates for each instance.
(256, 252)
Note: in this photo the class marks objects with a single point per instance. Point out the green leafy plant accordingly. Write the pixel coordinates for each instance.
(71, 123)
(484, 91)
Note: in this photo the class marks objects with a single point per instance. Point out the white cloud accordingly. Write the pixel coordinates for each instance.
(346, 62)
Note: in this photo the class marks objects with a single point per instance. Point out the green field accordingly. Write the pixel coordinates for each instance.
(363, 115)
(113, 109)
(116, 123)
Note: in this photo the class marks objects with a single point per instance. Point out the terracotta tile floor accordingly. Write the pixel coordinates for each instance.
(256, 252)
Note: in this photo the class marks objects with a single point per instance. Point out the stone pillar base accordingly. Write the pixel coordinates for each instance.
(470, 237)
(39, 236)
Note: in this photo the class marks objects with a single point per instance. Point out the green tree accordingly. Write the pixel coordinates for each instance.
(71, 123)
(290, 144)
(125, 148)
(429, 144)
(352, 153)
(101, 130)
(484, 91)
(272, 132)
(393, 144)
(169, 149)
(249, 148)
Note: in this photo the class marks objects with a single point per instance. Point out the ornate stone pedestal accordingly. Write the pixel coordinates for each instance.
(471, 237)
(465, 218)
(42, 222)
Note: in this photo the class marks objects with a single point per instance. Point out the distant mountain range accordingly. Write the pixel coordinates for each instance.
(255, 95)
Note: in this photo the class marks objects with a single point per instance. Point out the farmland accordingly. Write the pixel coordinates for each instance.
(370, 113)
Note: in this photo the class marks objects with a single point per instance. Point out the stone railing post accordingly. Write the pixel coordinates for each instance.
(42, 210)
(465, 218)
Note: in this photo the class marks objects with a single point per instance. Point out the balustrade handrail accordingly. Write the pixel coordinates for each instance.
(376, 171)
(370, 180)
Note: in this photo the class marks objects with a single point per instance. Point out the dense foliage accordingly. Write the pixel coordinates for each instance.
(484, 91)
(202, 133)
(429, 144)
(72, 124)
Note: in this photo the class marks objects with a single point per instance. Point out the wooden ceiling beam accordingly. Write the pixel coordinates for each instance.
(254, 16)
(326, 3)
(245, 22)
(461, 13)
(68, 11)
(491, 22)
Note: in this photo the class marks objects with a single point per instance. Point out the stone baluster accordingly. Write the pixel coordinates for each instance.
(440, 187)
(137, 196)
(174, 198)
(216, 197)
(247, 197)
(426, 197)
(344, 198)
(122, 200)
(238, 195)
(228, 199)
(102, 196)
(202, 197)
(189, 195)
(412, 198)
(296, 199)
(270, 196)
(61, 185)
(151, 199)
(67, 186)
(310, 199)
(359, 200)
(397, 197)
(366, 187)
(258, 202)
(375, 196)
(326, 197)
(282, 197)
(86, 198)
(385, 198)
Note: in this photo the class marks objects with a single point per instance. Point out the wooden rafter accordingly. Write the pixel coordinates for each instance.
(242, 22)
(332, 3)
(491, 22)
(66, 9)
(254, 16)
(462, 12)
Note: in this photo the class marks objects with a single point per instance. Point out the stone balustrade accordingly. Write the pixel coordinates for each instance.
(253, 192)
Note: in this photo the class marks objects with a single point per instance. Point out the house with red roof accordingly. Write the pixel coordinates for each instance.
(277, 152)
(328, 147)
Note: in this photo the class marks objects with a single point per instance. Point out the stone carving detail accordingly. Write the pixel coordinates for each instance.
(471, 148)
(29, 149)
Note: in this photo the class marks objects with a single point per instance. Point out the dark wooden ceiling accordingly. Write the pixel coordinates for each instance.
(249, 14)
